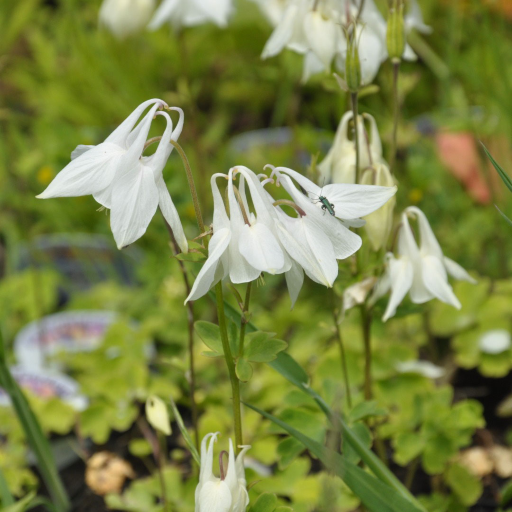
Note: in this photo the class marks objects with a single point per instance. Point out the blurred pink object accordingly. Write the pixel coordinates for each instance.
(459, 154)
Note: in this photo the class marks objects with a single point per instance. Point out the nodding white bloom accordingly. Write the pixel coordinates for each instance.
(243, 244)
(125, 17)
(379, 223)
(246, 243)
(315, 33)
(314, 28)
(422, 271)
(188, 13)
(339, 165)
(227, 493)
(119, 178)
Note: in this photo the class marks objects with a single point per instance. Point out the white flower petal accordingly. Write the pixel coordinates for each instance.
(322, 36)
(80, 150)
(456, 271)
(401, 275)
(428, 241)
(294, 281)
(312, 66)
(171, 214)
(206, 277)
(124, 134)
(260, 248)
(89, 173)
(353, 201)
(281, 34)
(134, 203)
(163, 13)
(436, 281)
(215, 497)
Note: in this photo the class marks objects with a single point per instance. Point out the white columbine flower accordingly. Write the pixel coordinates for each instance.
(321, 232)
(422, 271)
(243, 244)
(227, 493)
(125, 17)
(339, 165)
(119, 178)
(188, 13)
(314, 28)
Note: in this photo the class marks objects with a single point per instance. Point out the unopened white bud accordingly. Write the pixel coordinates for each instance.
(157, 415)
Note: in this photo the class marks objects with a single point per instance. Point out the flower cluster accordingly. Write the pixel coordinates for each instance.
(121, 179)
(315, 29)
(247, 242)
(420, 270)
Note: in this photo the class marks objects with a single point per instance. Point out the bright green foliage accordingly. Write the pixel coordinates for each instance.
(484, 309)
(466, 486)
(430, 427)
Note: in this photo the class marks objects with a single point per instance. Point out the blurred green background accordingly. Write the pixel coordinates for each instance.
(64, 82)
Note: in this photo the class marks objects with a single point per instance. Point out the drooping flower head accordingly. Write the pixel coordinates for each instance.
(422, 271)
(339, 165)
(227, 493)
(247, 242)
(122, 180)
(315, 29)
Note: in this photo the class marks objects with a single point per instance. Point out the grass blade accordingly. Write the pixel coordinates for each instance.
(35, 436)
(373, 493)
(184, 433)
(504, 176)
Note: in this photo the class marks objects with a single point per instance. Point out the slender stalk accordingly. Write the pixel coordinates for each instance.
(366, 320)
(353, 97)
(191, 184)
(162, 448)
(343, 358)
(396, 114)
(235, 384)
(244, 319)
(190, 320)
(360, 10)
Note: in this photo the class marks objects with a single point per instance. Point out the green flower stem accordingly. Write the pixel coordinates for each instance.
(244, 319)
(343, 358)
(396, 113)
(360, 10)
(191, 184)
(366, 322)
(162, 461)
(353, 97)
(190, 306)
(235, 384)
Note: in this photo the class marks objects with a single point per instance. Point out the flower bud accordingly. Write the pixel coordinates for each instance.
(157, 415)
(352, 63)
(395, 35)
(339, 165)
(379, 223)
